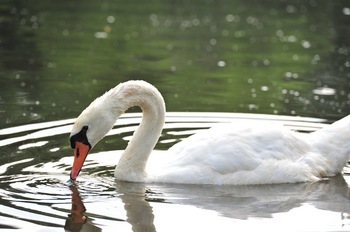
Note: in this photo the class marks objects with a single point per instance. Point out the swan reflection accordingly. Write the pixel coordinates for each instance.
(77, 221)
(144, 203)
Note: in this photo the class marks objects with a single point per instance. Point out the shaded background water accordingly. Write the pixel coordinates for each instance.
(263, 57)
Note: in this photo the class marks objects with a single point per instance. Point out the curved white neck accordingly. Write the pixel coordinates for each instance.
(131, 166)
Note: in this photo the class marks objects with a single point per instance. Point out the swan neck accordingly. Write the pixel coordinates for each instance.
(132, 164)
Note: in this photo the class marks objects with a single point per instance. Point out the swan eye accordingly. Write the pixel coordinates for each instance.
(80, 137)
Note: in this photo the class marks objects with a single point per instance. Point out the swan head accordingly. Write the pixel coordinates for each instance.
(100, 116)
(89, 128)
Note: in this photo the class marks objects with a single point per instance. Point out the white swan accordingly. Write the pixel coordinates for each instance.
(227, 154)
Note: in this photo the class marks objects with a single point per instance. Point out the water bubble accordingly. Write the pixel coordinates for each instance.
(65, 32)
(34, 18)
(213, 42)
(306, 44)
(225, 33)
(253, 107)
(266, 62)
(291, 9)
(230, 18)
(264, 88)
(255, 63)
(239, 34)
(279, 33)
(173, 68)
(315, 59)
(196, 22)
(101, 35)
(346, 11)
(51, 65)
(154, 20)
(324, 91)
(35, 26)
(14, 10)
(292, 38)
(295, 57)
(221, 63)
(110, 19)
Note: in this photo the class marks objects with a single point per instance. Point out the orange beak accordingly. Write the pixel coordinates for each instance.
(80, 152)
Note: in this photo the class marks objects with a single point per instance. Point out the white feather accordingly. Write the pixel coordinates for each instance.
(258, 153)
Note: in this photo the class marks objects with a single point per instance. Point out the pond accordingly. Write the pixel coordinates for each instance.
(213, 61)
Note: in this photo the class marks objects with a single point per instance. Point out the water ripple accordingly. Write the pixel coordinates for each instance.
(36, 193)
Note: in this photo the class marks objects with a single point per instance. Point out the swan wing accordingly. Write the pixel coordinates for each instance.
(231, 154)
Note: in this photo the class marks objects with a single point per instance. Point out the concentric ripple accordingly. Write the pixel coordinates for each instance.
(37, 195)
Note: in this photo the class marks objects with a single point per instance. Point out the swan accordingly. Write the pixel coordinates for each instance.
(228, 154)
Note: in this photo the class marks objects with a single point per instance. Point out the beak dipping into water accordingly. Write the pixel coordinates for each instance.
(81, 151)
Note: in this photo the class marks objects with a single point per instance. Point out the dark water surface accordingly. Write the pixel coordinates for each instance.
(257, 58)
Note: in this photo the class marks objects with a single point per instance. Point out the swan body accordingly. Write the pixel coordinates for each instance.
(259, 153)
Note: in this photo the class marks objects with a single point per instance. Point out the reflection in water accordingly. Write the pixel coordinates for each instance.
(76, 219)
(133, 195)
(139, 212)
(144, 206)
(33, 185)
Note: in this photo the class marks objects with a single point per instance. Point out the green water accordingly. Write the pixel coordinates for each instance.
(212, 56)
(253, 57)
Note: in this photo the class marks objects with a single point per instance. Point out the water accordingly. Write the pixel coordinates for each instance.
(261, 59)
(36, 192)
